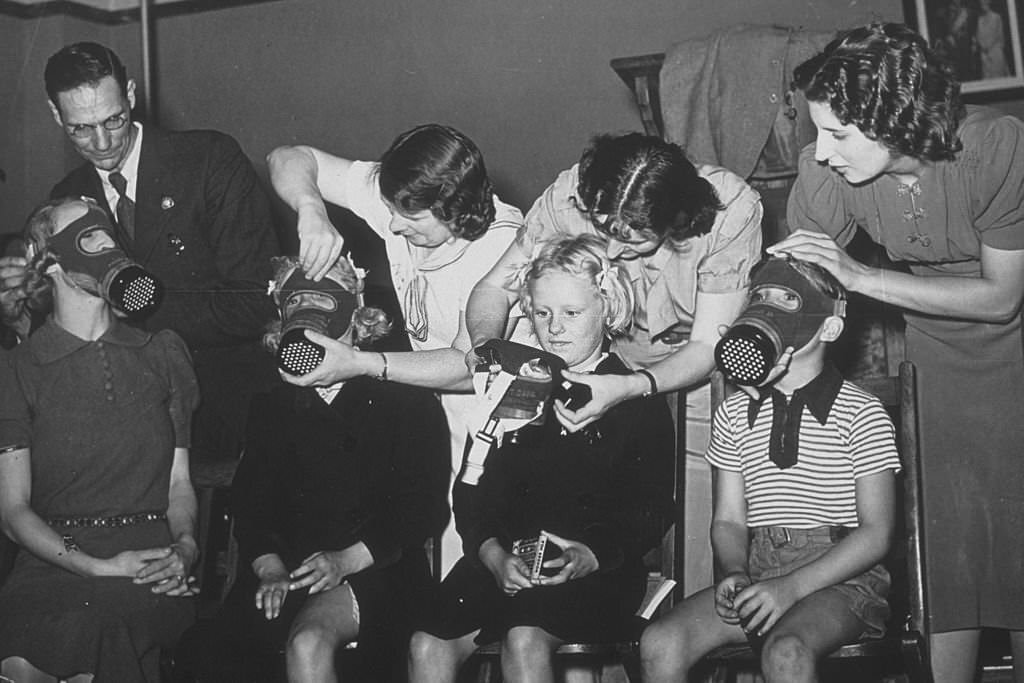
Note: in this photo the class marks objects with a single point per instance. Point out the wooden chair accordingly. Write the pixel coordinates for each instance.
(666, 564)
(904, 648)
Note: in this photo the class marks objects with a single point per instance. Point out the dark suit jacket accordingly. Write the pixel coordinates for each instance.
(204, 227)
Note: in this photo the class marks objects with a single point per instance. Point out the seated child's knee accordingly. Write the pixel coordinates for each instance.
(525, 642)
(786, 656)
(424, 647)
(305, 643)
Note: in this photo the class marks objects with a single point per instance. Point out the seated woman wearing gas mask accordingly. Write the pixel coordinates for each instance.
(94, 473)
(804, 492)
(336, 493)
(596, 499)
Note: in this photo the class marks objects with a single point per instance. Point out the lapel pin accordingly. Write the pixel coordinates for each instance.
(166, 203)
(175, 243)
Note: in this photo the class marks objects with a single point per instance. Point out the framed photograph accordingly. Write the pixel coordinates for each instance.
(981, 38)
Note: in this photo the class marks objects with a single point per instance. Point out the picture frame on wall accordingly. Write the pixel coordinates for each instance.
(981, 38)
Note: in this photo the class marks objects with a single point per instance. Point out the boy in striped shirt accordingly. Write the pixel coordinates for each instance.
(804, 502)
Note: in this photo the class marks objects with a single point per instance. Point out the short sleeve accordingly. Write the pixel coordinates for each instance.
(873, 441)
(184, 388)
(999, 194)
(363, 194)
(817, 201)
(15, 422)
(735, 238)
(723, 451)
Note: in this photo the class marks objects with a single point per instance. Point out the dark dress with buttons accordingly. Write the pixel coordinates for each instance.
(102, 420)
(608, 486)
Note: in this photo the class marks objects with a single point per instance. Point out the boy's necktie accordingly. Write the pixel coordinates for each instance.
(125, 209)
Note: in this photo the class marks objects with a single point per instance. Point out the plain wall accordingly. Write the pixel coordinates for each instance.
(529, 81)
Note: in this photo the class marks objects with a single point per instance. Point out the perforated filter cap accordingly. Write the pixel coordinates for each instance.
(745, 355)
(134, 291)
(297, 355)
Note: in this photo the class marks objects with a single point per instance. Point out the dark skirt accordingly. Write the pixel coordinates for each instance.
(972, 410)
(597, 608)
(65, 624)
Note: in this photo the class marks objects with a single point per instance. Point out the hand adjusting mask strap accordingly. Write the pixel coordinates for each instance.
(87, 246)
(785, 310)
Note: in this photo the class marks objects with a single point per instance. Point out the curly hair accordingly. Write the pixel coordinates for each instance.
(886, 81)
(647, 184)
(583, 256)
(368, 324)
(436, 168)
(82, 64)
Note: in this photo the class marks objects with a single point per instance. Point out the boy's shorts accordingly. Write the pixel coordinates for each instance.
(777, 551)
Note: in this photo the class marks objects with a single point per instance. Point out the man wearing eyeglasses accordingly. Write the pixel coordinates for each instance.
(189, 208)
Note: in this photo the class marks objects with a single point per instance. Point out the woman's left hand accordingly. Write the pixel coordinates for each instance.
(170, 572)
(341, 362)
(576, 561)
(821, 249)
(606, 391)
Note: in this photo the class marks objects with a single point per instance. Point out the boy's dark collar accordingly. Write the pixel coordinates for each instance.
(818, 395)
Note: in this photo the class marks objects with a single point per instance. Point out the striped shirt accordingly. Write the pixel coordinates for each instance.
(857, 439)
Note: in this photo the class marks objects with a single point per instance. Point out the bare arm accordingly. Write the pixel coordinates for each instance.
(169, 572)
(442, 369)
(305, 177)
(993, 297)
(493, 297)
(730, 544)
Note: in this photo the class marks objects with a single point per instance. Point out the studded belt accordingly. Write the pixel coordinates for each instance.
(115, 522)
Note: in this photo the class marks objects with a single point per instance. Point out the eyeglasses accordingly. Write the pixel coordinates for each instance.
(84, 130)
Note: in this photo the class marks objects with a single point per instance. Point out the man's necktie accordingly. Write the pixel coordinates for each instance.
(125, 209)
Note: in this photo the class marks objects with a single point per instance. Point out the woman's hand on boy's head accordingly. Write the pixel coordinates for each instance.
(606, 391)
(821, 249)
(576, 561)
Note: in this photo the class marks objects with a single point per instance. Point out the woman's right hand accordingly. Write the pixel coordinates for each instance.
(821, 249)
(320, 243)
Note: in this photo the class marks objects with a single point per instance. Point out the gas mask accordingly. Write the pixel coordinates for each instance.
(784, 310)
(87, 246)
(325, 307)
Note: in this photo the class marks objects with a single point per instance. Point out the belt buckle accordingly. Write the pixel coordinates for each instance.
(779, 536)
